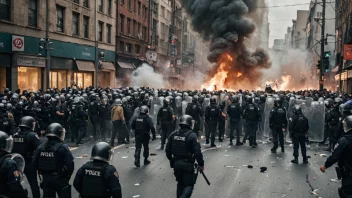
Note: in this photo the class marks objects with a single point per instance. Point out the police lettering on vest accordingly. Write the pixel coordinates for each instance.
(47, 154)
(47, 161)
(94, 184)
(179, 147)
(139, 124)
(93, 173)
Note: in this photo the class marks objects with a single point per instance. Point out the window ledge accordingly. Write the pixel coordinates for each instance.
(63, 33)
(34, 28)
(6, 21)
(87, 8)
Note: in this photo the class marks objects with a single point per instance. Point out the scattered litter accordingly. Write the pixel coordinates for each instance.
(250, 166)
(335, 180)
(314, 178)
(314, 192)
(229, 166)
(135, 196)
(291, 145)
(219, 146)
(273, 162)
(79, 157)
(263, 169)
(84, 155)
(283, 195)
(323, 155)
(131, 147)
(279, 158)
(227, 155)
(225, 150)
(137, 184)
(153, 154)
(309, 157)
(245, 165)
(124, 157)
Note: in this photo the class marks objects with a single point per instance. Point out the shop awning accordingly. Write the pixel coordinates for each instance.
(107, 66)
(85, 65)
(126, 65)
(336, 69)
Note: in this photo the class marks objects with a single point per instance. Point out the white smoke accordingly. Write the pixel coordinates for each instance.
(145, 76)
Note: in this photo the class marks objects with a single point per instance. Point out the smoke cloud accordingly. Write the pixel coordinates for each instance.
(227, 24)
(145, 76)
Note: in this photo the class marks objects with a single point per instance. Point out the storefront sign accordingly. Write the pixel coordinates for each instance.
(347, 52)
(2, 45)
(17, 43)
(30, 61)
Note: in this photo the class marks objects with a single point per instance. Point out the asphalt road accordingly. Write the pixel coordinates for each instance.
(226, 168)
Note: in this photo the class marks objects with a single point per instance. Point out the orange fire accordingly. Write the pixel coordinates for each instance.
(239, 74)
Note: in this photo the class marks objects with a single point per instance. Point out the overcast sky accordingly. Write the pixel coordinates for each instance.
(281, 17)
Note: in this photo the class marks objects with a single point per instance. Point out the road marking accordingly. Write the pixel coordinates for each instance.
(116, 147)
(208, 149)
(73, 148)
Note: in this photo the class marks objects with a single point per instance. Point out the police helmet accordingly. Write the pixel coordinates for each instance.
(144, 110)
(53, 101)
(249, 99)
(212, 100)
(278, 102)
(6, 142)
(235, 99)
(102, 151)
(76, 100)
(187, 121)
(82, 100)
(297, 110)
(2, 106)
(118, 102)
(347, 124)
(27, 122)
(36, 104)
(9, 106)
(345, 108)
(195, 99)
(166, 102)
(338, 102)
(55, 130)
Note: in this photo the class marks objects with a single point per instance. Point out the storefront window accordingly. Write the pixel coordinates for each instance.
(58, 79)
(83, 80)
(29, 78)
(104, 79)
(2, 79)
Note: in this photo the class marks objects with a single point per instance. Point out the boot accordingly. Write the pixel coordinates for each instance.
(212, 144)
(207, 141)
(295, 161)
(239, 143)
(136, 158)
(220, 140)
(162, 147)
(231, 143)
(305, 160)
(273, 150)
(146, 161)
(283, 149)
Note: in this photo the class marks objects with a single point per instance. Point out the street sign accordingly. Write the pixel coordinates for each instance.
(179, 62)
(17, 43)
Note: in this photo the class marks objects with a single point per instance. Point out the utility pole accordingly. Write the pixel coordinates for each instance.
(96, 59)
(321, 79)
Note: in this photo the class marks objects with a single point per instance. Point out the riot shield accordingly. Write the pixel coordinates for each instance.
(269, 105)
(206, 103)
(217, 98)
(315, 113)
(222, 96)
(178, 109)
(184, 106)
(189, 99)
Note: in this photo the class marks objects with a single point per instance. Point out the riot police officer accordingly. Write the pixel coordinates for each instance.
(10, 177)
(105, 115)
(44, 117)
(278, 124)
(222, 121)
(77, 121)
(25, 143)
(212, 116)
(342, 155)
(182, 149)
(97, 178)
(235, 111)
(164, 118)
(56, 113)
(251, 114)
(195, 110)
(142, 125)
(333, 122)
(7, 122)
(54, 161)
(298, 132)
(94, 117)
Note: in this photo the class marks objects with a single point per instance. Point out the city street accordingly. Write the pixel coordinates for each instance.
(226, 168)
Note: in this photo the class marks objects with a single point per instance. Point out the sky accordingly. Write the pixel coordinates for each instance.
(281, 17)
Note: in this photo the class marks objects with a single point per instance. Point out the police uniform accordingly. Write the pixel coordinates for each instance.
(44, 116)
(7, 124)
(78, 123)
(97, 179)
(298, 131)
(278, 122)
(334, 125)
(222, 121)
(196, 111)
(105, 115)
(165, 118)
(182, 149)
(94, 116)
(142, 125)
(252, 116)
(25, 143)
(212, 116)
(235, 111)
(54, 161)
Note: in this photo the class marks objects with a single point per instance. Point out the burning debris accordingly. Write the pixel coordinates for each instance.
(227, 24)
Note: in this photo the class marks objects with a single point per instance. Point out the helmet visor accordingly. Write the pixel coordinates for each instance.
(192, 125)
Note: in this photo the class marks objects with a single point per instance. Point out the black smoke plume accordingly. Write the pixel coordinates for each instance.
(227, 24)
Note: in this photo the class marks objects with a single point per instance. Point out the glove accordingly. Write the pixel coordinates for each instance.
(201, 168)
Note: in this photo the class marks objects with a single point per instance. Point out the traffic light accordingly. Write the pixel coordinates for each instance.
(318, 65)
(327, 60)
(327, 54)
(173, 47)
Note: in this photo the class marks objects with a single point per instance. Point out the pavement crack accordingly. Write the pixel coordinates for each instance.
(313, 191)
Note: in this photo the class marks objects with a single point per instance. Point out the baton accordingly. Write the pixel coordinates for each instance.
(204, 176)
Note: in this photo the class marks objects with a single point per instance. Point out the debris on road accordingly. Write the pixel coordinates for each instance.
(153, 154)
(136, 196)
(124, 157)
(137, 184)
(335, 180)
(229, 166)
(227, 155)
(263, 169)
(250, 166)
(323, 155)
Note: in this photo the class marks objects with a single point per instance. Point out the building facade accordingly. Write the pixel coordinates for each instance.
(73, 43)
(298, 35)
(132, 31)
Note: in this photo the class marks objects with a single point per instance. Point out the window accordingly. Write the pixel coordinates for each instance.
(122, 2)
(139, 8)
(86, 3)
(144, 33)
(76, 1)
(139, 28)
(83, 80)
(108, 33)
(86, 26)
(129, 5)
(143, 10)
(29, 78)
(109, 7)
(162, 13)
(75, 23)
(100, 31)
(138, 49)
(122, 23)
(58, 79)
(134, 33)
(155, 25)
(100, 5)
(32, 13)
(128, 48)
(121, 45)
(5, 9)
(60, 18)
(135, 6)
(128, 26)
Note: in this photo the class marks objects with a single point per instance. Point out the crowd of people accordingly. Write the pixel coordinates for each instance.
(180, 117)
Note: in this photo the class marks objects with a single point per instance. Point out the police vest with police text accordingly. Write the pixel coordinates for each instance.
(179, 146)
(93, 183)
(20, 144)
(47, 161)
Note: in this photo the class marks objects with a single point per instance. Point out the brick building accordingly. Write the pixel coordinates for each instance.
(132, 30)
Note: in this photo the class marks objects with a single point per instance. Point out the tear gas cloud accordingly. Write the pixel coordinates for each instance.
(145, 76)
